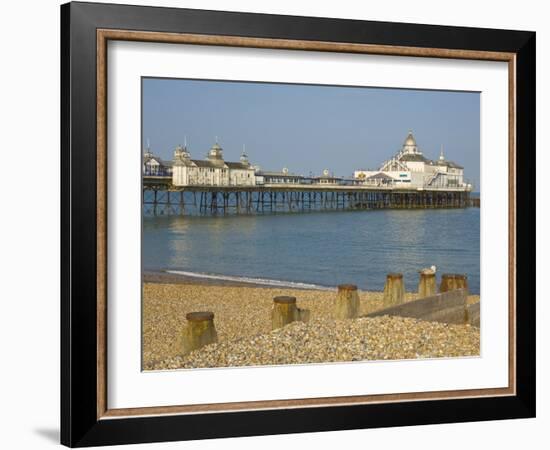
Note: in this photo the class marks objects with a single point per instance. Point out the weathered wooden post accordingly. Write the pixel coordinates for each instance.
(200, 331)
(347, 302)
(285, 311)
(453, 281)
(427, 284)
(394, 289)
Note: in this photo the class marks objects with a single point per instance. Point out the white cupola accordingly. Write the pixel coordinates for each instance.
(244, 157)
(409, 146)
(216, 152)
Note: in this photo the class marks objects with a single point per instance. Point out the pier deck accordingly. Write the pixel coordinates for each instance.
(160, 197)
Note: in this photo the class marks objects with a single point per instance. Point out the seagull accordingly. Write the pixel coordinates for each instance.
(429, 270)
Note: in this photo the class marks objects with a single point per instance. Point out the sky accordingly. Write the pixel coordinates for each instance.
(309, 128)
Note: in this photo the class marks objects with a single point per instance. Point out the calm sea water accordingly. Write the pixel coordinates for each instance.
(321, 248)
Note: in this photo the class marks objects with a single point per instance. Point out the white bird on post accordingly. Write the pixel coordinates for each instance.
(429, 270)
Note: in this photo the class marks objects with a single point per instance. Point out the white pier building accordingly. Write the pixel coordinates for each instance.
(212, 171)
(407, 169)
(410, 168)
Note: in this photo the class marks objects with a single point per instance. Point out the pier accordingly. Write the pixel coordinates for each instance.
(160, 197)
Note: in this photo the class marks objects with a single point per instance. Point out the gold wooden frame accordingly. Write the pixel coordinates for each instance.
(104, 35)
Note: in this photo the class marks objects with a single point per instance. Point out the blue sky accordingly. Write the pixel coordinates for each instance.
(308, 128)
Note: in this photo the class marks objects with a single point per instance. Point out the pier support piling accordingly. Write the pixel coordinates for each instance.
(200, 331)
(161, 197)
(347, 302)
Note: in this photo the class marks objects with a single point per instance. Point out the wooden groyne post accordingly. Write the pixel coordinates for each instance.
(394, 289)
(200, 331)
(285, 311)
(453, 281)
(427, 284)
(347, 302)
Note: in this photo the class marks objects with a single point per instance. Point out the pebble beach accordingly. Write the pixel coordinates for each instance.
(243, 324)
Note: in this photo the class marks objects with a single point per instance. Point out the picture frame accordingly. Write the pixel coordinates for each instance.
(86, 418)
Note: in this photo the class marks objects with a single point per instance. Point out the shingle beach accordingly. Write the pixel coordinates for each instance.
(243, 323)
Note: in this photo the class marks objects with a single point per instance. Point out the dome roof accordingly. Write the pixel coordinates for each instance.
(216, 153)
(410, 141)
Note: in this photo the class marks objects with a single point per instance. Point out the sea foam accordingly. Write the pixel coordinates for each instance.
(251, 280)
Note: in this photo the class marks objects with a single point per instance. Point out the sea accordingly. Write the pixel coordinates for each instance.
(316, 249)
